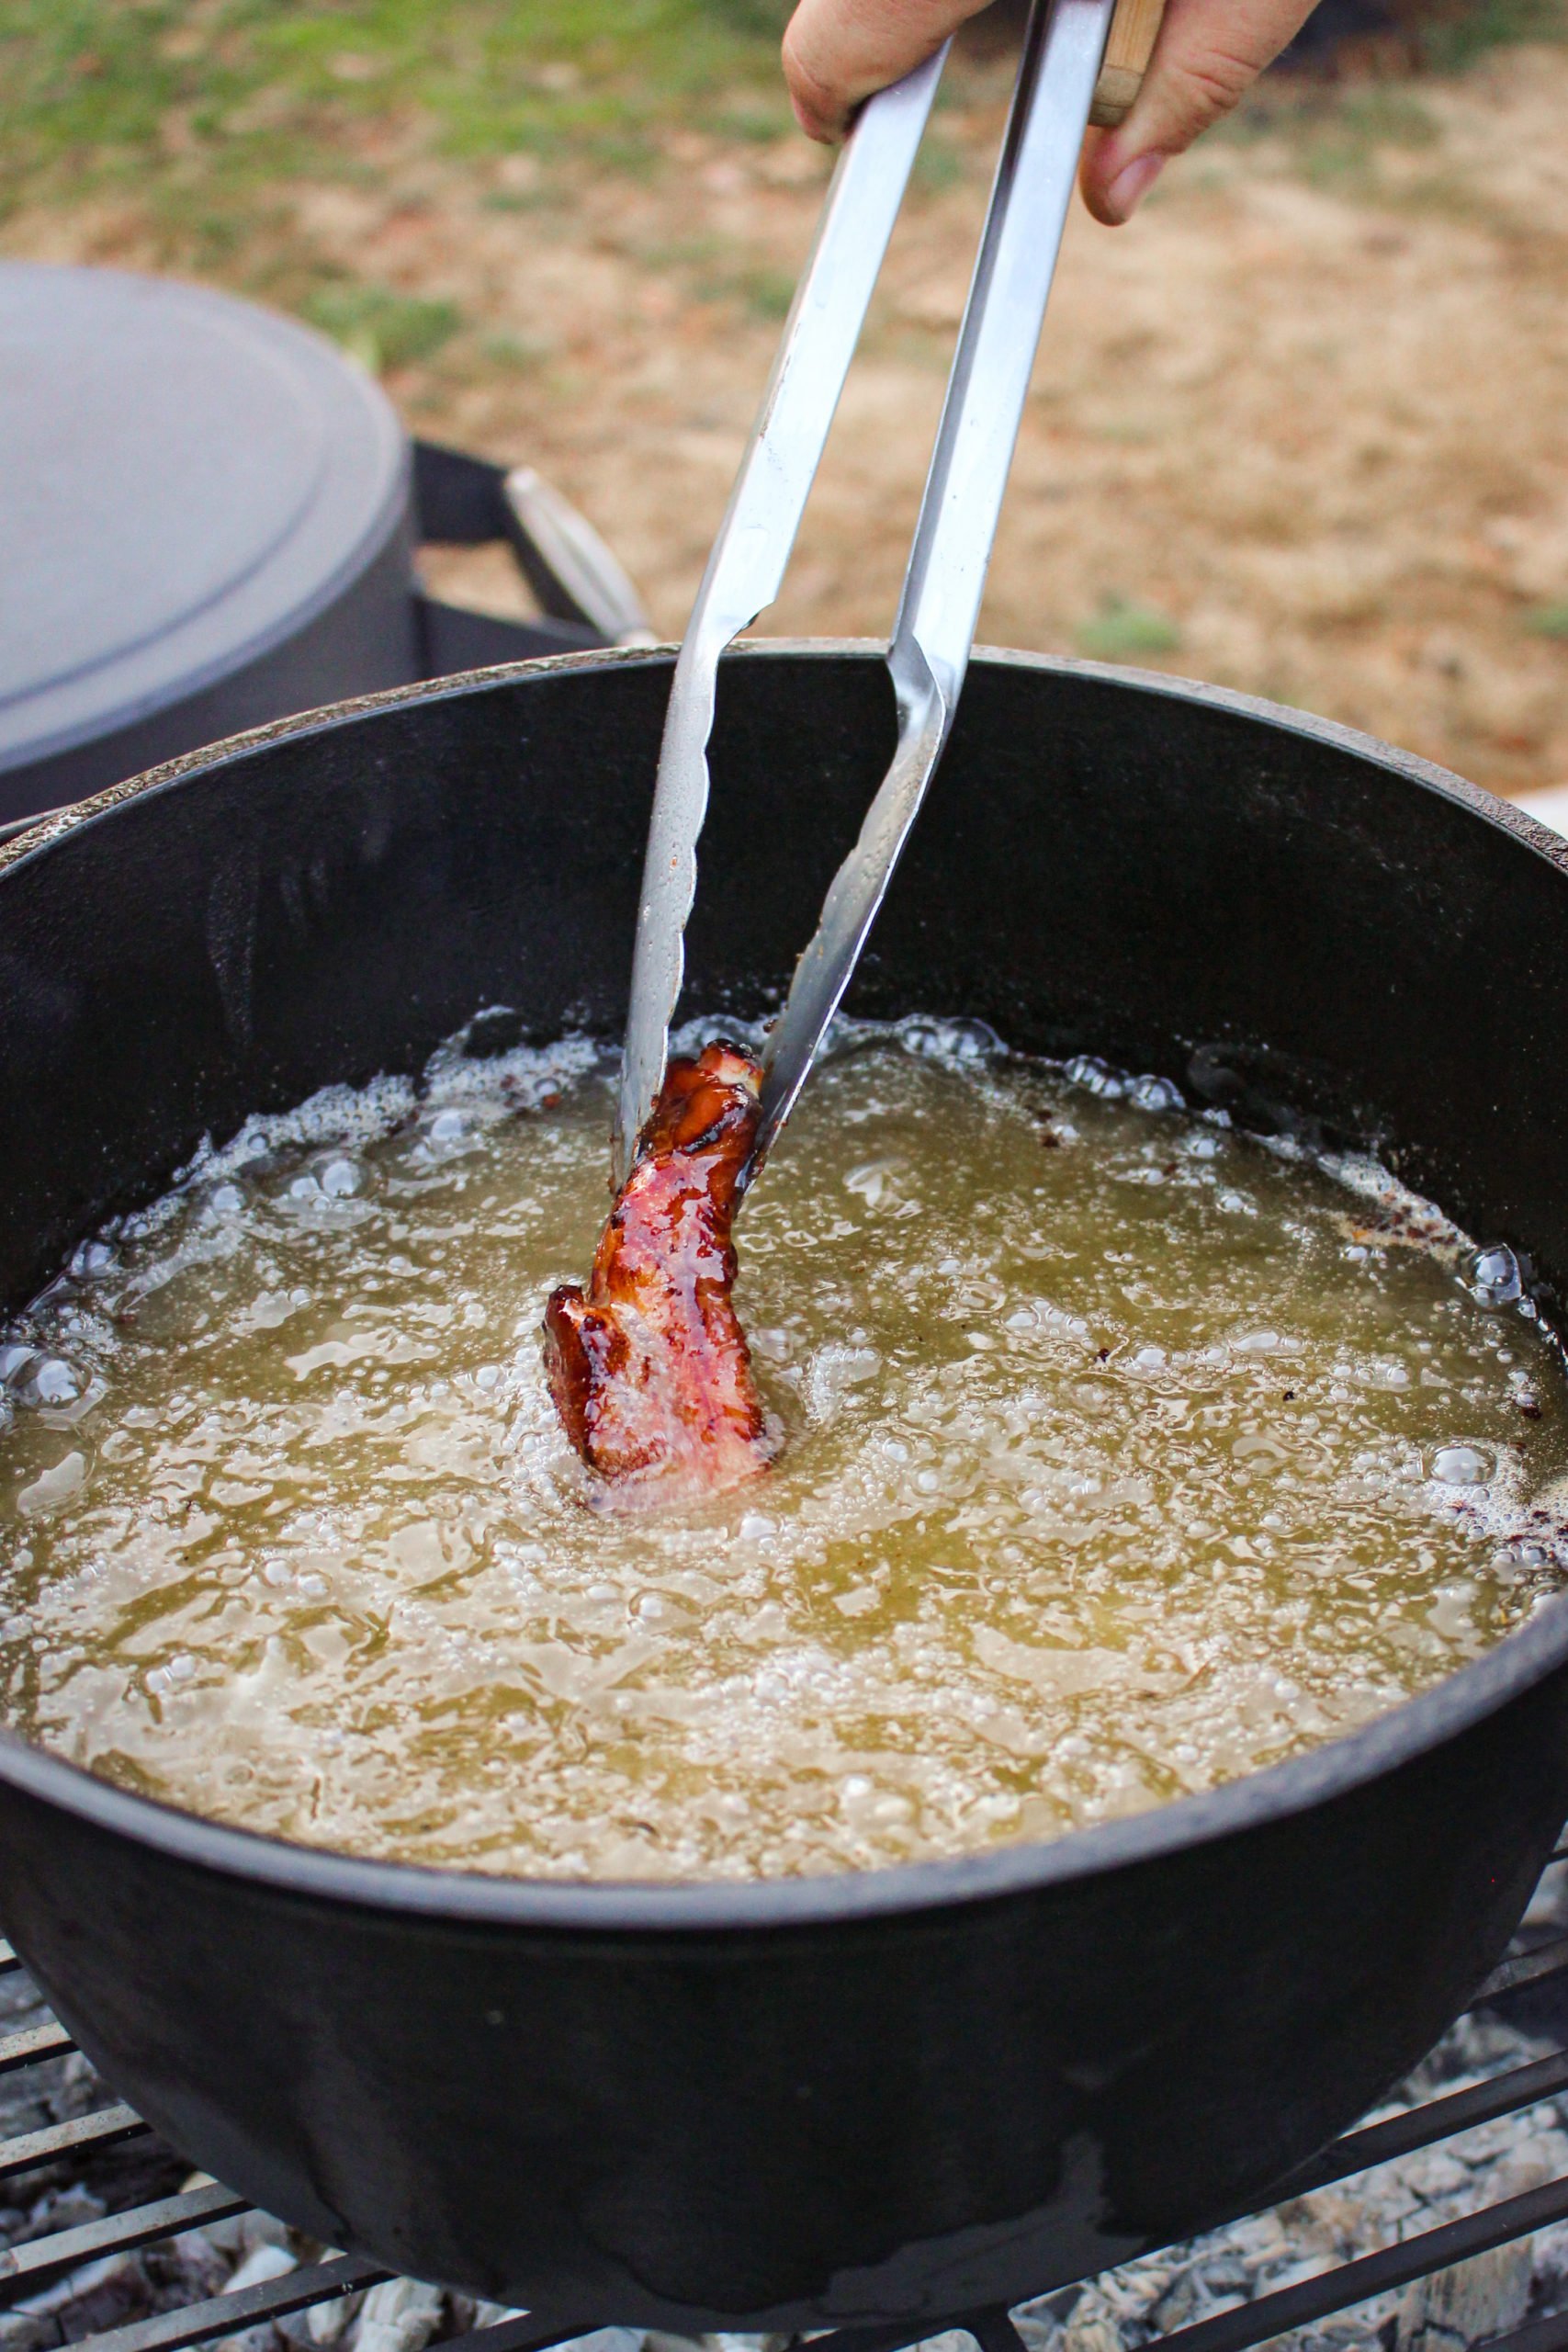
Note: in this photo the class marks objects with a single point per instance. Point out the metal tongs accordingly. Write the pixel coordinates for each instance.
(1060, 88)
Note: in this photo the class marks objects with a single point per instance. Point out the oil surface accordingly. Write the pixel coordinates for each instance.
(1123, 1455)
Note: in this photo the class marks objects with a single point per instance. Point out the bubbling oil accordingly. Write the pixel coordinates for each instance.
(1125, 1454)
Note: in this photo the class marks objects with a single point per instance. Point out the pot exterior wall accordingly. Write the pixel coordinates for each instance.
(798, 2127)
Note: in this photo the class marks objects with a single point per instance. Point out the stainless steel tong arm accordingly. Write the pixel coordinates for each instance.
(750, 556)
(930, 653)
(1063, 50)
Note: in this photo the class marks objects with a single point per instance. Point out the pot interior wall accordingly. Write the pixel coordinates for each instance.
(1267, 913)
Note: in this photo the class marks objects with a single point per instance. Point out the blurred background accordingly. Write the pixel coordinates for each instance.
(1300, 428)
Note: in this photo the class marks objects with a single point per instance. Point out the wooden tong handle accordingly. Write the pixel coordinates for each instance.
(1127, 53)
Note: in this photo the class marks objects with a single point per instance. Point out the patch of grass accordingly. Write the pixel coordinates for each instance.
(1455, 36)
(381, 328)
(1343, 148)
(512, 199)
(1120, 630)
(1548, 620)
(939, 165)
(1336, 133)
(713, 274)
(756, 20)
(215, 238)
(755, 123)
(762, 292)
(1337, 128)
(93, 86)
(659, 255)
(1384, 114)
(513, 351)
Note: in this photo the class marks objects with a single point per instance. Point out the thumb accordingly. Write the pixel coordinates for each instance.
(1209, 52)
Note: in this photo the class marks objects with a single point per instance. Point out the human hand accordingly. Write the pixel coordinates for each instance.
(836, 53)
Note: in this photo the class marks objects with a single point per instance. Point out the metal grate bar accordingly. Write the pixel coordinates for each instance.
(83, 2132)
(8, 1961)
(891, 2336)
(39, 2259)
(269, 2299)
(528, 2331)
(1373, 2274)
(1525, 1968)
(1401, 2136)
(1548, 2334)
(50, 2041)
(994, 2332)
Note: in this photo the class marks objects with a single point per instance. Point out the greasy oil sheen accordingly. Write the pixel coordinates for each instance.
(1122, 1455)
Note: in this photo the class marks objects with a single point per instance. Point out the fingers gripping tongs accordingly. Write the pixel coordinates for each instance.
(1068, 74)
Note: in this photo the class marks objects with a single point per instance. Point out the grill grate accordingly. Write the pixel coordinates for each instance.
(35, 2264)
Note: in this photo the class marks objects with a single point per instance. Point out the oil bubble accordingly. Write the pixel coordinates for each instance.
(1495, 1276)
(48, 1380)
(340, 1178)
(947, 1041)
(1461, 1465)
(163, 1678)
(90, 1259)
(874, 1179)
(1095, 1077)
(1516, 1558)
(1151, 1093)
(53, 1486)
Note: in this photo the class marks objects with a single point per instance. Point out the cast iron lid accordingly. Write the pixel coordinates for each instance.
(184, 482)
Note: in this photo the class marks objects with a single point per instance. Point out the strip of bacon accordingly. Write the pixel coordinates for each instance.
(649, 1369)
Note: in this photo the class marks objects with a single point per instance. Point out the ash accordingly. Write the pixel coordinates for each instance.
(1120, 2311)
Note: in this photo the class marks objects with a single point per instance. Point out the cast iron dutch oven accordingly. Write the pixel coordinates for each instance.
(909, 2092)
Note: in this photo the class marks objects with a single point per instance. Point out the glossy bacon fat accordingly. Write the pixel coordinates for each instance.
(650, 1368)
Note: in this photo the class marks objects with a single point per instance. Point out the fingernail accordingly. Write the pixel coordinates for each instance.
(1131, 183)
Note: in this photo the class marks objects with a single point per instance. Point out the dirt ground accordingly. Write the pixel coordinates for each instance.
(1301, 428)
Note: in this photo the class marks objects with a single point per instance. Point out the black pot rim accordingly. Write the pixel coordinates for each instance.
(465, 1898)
